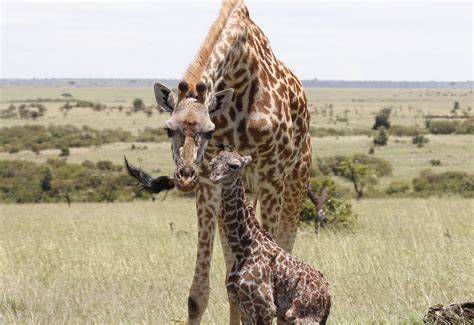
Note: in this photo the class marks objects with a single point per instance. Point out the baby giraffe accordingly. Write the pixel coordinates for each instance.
(265, 281)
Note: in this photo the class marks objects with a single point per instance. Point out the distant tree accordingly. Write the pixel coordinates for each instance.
(359, 174)
(138, 104)
(66, 95)
(420, 140)
(46, 179)
(382, 118)
(381, 137)
(63, 188)
(65, 152)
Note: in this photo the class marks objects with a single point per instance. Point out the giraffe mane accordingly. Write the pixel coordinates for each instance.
(195, 69)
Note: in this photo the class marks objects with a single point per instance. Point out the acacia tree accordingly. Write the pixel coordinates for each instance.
(359, 174)
(63, 188)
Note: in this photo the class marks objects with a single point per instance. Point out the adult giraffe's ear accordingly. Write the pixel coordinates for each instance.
(221, 101)
(164, 97)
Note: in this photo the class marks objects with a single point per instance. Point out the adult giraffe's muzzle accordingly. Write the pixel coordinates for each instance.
(185, 177)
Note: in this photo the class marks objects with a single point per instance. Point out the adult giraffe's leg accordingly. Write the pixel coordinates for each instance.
(270, 198)
(234, 311)
(294, 194)
(207, 205)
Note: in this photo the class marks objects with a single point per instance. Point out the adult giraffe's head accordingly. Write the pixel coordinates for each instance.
(190, 127)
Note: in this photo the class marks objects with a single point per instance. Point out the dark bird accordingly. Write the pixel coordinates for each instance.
(148, 183)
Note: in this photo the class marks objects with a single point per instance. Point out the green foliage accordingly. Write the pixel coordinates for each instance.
(138, 104)
(338, 210)
(65, 152)
(442, 127)
(37, 137)
(406, 131)
(382, 118)
(420, 140)
(451, 182)
(152, 135)
(332, 132)
(466, 127)
(27, 182)
(24, 111)
(381, 136)
(332, 165)
(397, 188)
(450, 127)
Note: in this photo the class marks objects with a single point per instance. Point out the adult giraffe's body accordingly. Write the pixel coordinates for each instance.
(266, 117)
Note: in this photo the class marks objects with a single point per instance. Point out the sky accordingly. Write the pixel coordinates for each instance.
(363, 40)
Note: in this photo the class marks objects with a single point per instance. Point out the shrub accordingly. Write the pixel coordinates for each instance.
(332, 132)
(451, 182)
(36, 137)
(397, 188)
(420, 140)
(64, 152)
(406, 131)
(332, 165)
(442, 127)
(138, 104)
(27, 182)
(467, 127)
(382, 118)
(381, 137)
(435, 162)
(338, 211)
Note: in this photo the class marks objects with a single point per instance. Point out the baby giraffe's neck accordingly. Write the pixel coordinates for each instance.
(240, 226)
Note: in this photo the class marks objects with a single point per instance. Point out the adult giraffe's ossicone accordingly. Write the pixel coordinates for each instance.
(237, 92)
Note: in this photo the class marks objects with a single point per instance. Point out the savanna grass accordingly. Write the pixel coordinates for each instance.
(133, 262)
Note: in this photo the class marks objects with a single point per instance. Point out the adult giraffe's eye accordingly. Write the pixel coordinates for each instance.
(169, 132)
(208, 135)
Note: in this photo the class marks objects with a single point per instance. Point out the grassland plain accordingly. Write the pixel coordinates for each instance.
(358, 105)
(133, 262)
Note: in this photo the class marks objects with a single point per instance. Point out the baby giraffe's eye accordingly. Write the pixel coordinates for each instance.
(234, 166)
(208, 135)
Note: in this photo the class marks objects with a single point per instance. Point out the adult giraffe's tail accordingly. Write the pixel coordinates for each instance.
(194, 71)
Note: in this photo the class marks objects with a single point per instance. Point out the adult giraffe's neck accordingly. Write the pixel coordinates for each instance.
(232, 62)
(240, 226)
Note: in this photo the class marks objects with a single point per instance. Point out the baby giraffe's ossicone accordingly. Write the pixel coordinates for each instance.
(265, 280)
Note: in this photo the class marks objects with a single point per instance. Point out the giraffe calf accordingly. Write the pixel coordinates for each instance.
(265, 280)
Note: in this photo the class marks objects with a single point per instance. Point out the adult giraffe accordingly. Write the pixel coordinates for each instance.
(239, 93)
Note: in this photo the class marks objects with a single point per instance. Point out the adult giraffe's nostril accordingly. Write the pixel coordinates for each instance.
(187, 172)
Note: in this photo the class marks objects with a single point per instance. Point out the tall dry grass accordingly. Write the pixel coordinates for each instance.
(111, 263)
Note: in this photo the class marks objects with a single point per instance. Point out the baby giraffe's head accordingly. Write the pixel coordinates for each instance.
(227, 164)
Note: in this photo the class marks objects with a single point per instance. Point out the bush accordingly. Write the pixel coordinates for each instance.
(420, 140)
(64, 152)
(442, 127)
(338, 211)
(451, 182)
(435, 162)
(406, 131)
(382, 118)
(381, 137)
(332, 165)
(27, 182)
(466, 127)
(138, 104)
(36, 137)
(397, 188)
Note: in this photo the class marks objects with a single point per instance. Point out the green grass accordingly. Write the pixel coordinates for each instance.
(122, 263)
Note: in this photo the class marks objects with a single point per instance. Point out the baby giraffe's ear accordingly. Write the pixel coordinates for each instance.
(164, 97)
(246, 160)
